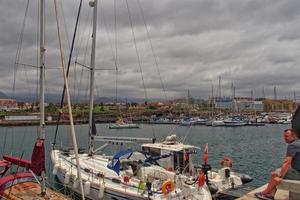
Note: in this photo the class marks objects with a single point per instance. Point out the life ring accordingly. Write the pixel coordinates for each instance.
(167, 187)
(226, 162)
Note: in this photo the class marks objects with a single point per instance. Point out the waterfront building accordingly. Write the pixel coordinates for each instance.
(8, 104)
(22, 118)
(278, 105)
(248, 104)
(224, 103)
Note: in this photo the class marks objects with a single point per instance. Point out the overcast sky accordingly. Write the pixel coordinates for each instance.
(252, 44)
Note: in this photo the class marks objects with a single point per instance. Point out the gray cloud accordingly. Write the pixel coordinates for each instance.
(251, 44)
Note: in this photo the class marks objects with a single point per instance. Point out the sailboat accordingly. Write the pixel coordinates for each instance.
(29, 180)
(128, 174)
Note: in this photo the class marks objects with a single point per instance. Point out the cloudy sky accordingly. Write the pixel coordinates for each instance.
(172, 44)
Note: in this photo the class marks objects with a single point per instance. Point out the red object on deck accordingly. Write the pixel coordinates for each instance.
(37, 163)
(201, 179)
(18, 161)
(38, 157)
(16, 178)
(205, 156)
(4, 163)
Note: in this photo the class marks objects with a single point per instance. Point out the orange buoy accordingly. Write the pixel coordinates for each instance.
(167, 187)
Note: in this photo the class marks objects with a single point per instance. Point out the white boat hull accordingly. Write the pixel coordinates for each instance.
(114, 186)
(123, 126)
(94, 192)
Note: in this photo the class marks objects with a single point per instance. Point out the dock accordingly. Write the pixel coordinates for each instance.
(280, 194)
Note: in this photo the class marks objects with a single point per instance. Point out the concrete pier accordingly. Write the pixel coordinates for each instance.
(280, 194)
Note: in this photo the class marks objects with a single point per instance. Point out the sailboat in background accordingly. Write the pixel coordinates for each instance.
(129, 174)
(29, 181)
(214, 120)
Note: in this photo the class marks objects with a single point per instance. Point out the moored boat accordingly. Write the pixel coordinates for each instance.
(234, 121)
(215, 122)
(126, 175)
(180, 161)
(121, 124)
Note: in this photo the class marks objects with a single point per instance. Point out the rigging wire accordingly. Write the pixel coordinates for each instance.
(21, 147)
(78, 49)
(20, 42)
(187, 133)
(65, 24)
(152, 49)
(4, 141)
(67, 73)
(27, 81)
(116, 49)
(68, 40)
(154, 55)
(116, 56)
(85, 58)
(136, 50)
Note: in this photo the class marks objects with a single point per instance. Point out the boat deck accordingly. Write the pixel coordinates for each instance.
(30, 190)
(280, 194)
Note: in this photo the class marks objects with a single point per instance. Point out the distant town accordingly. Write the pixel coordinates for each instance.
(11, 110)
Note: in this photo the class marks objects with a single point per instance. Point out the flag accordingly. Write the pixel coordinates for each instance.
(201, 179)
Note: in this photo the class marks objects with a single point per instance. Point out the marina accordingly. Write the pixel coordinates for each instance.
(256, 159)
(169, 100)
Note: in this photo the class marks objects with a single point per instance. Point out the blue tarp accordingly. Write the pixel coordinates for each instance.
(115, 163)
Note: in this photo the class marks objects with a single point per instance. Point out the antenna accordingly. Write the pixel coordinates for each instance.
(220, 87)
(275, 93)
(233, 92)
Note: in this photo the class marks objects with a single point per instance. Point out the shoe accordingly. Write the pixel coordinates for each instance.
(262, 196)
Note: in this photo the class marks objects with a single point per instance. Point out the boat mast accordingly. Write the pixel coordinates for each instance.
(92, 74)
(42, 84)
(42, 70)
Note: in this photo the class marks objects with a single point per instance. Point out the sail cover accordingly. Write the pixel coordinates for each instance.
(115, 162)
(38, 157)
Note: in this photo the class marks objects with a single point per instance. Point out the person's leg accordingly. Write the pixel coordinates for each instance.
(274, 181)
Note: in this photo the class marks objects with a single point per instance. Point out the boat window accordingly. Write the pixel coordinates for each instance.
(178, 160)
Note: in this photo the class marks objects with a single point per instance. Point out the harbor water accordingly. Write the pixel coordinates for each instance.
(255, 151)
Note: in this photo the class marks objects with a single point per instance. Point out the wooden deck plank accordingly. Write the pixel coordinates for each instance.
(31, 190)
